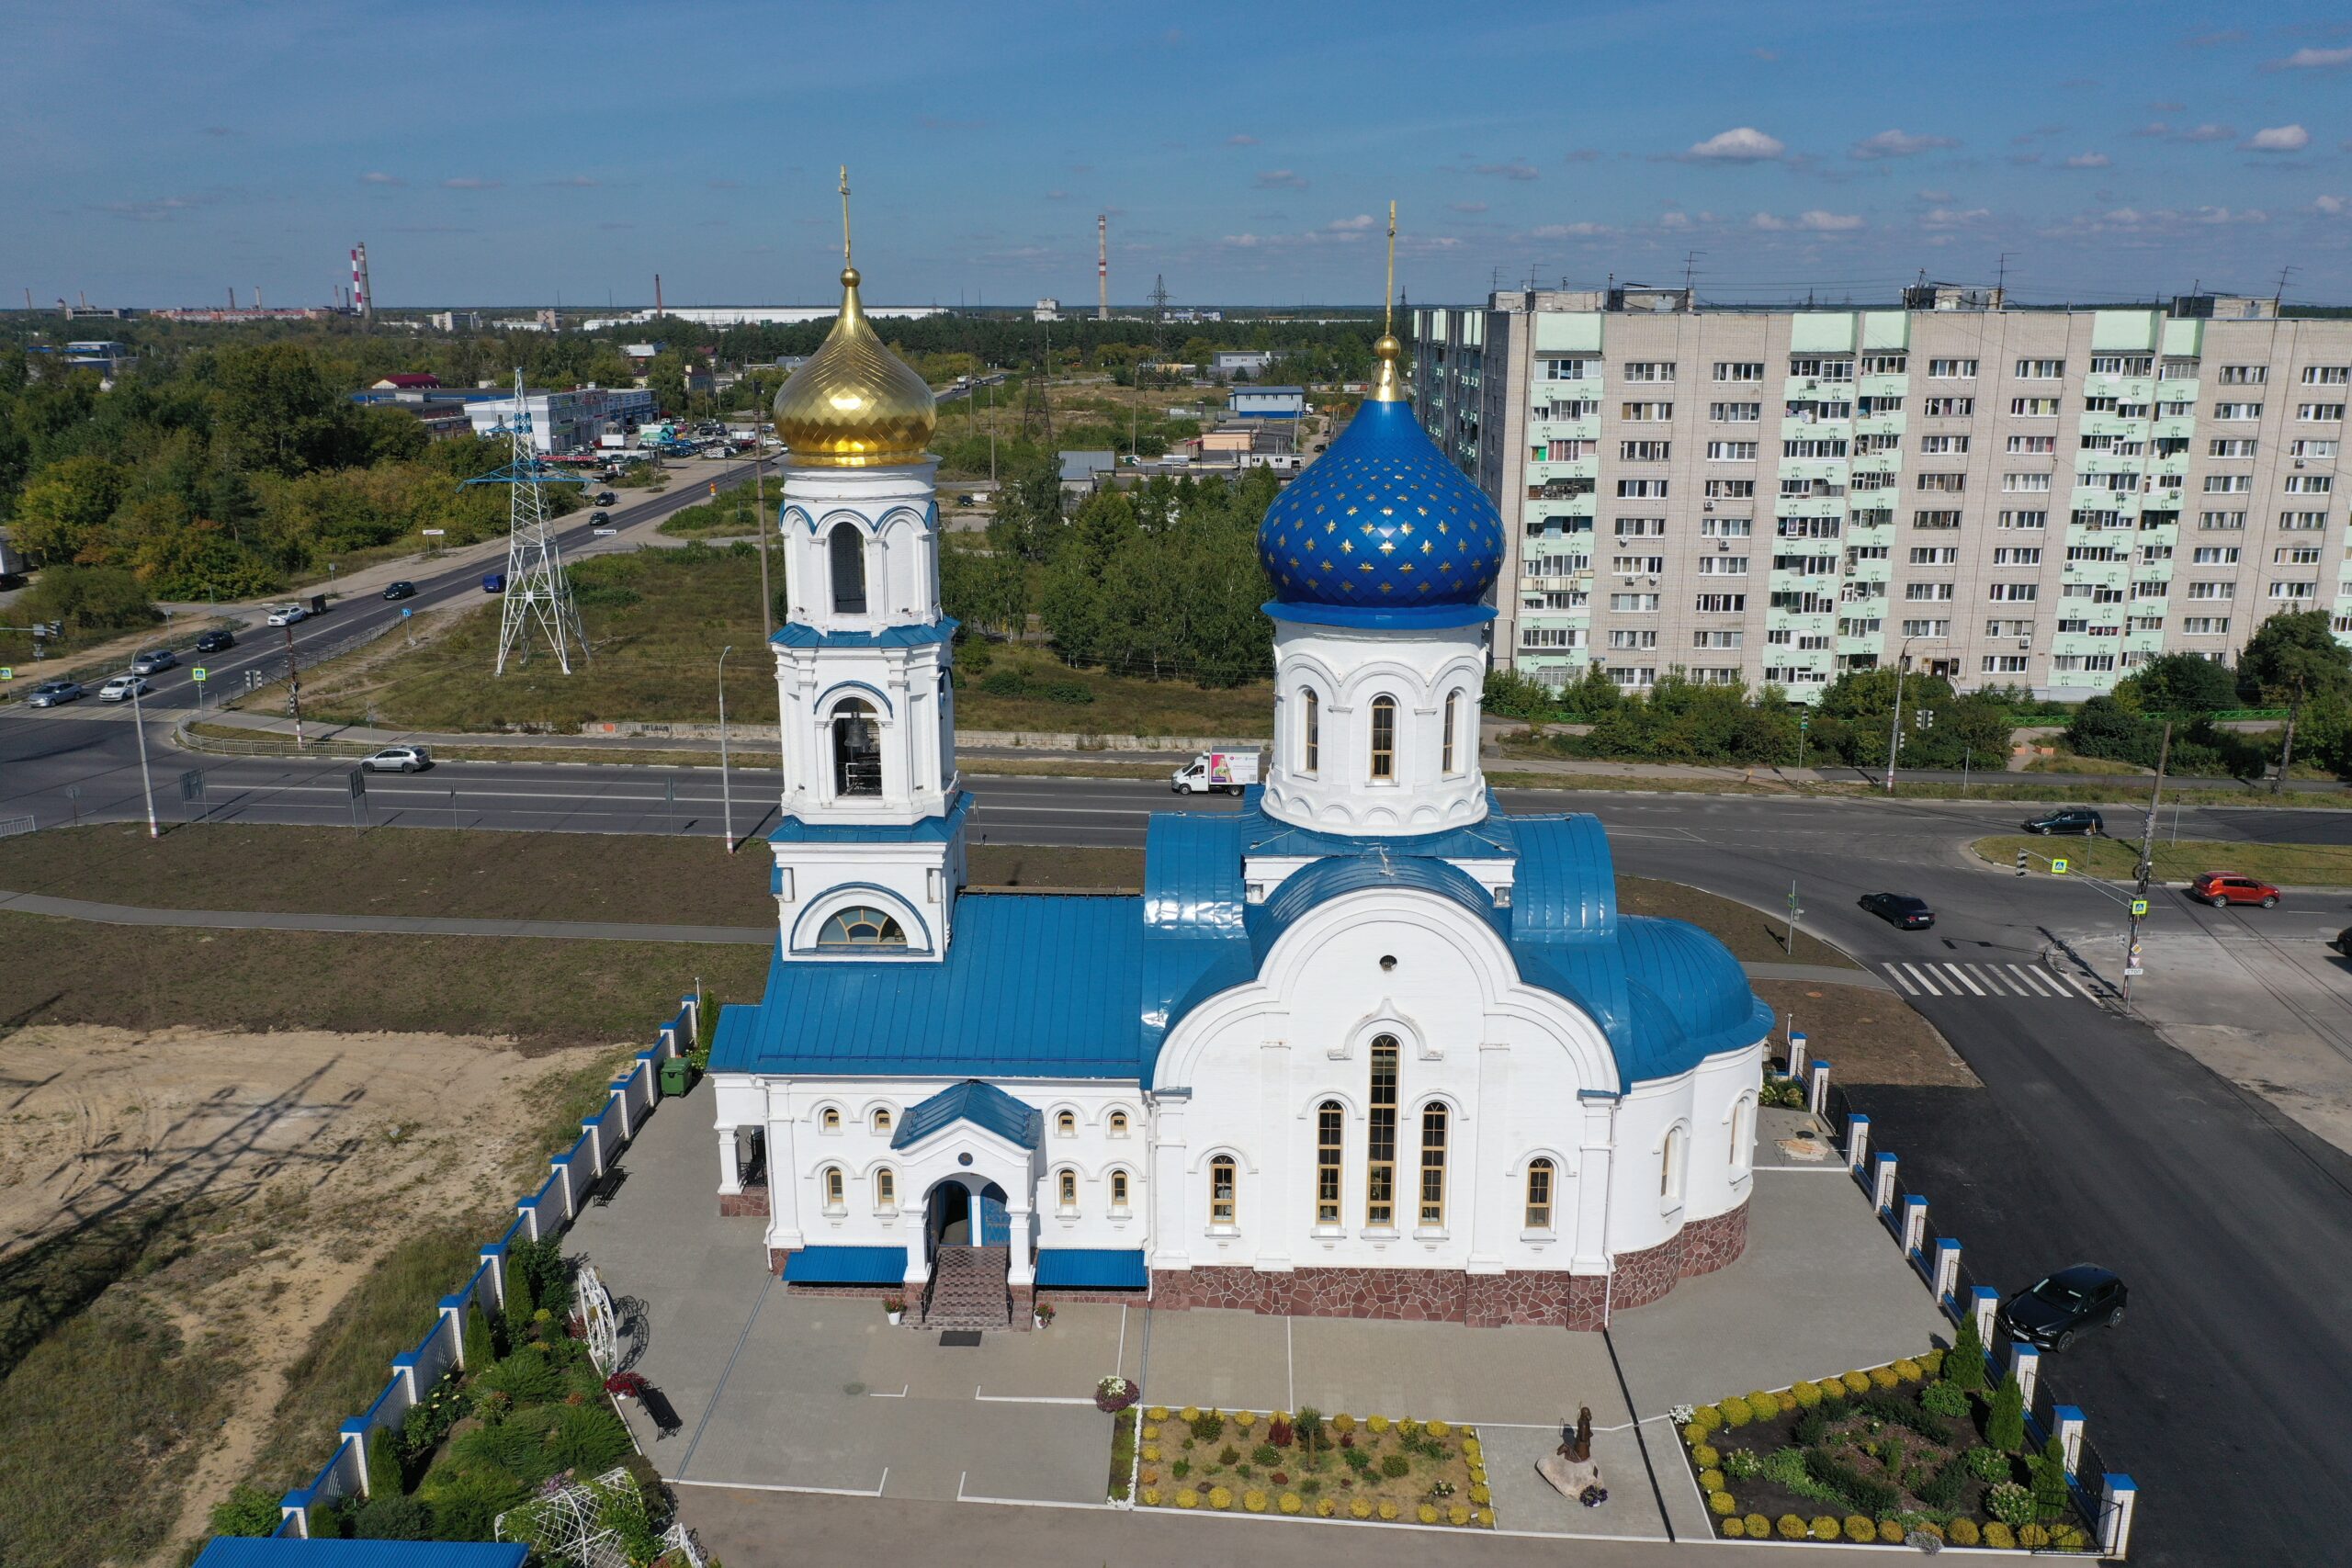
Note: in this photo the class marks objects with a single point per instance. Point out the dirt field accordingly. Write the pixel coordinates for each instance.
(1866, 1035)
(292, 1163)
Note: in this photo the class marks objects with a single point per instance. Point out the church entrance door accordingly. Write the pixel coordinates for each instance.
(958, 1216)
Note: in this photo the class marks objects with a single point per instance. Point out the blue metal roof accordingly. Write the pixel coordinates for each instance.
(1491, 837)
(983, 1105)
(291, 1551)
(1192, 874)
(846, 1266)
(1087, 1267)
(1401, 617)
(1308, 889)
(1032, 986)
(1566, 880)
(1704, 1002)
(794, 633)
(927, 829)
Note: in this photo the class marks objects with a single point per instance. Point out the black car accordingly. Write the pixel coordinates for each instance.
(2072, 820)
(1899, 909)
(2342, 942)
(215, 642)
(2051, 1314)
(600, 517)
(606, 498)
(403, 589)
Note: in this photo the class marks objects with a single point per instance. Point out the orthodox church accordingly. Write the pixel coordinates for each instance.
(1366, 1047)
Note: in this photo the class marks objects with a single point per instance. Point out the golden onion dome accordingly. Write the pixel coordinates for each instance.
(855, 405)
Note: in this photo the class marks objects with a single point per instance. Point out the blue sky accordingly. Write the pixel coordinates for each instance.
(523, 153)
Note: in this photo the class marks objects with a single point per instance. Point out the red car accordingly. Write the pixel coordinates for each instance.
(2220, 887)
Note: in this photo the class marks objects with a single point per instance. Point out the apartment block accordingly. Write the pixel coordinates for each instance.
(2041, 498)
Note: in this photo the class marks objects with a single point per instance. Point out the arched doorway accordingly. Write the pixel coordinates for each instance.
(957, 1215)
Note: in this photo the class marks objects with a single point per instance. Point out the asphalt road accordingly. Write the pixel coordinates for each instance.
(2094, 1139)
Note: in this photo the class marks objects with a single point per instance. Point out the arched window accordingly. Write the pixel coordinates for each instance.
(830, 1120)
(1066, 1191)
(857, 750)
(1538, 1195)
(1310, 739)
(836, 1194)
(1669, 1169)
(946, 728)
(1743, 1133)
(1118, 1123)
(1328, 1121)
(1434, 1164)
(1384, 738)
(859, 926)
(1118, 1191)
(1452, 715)
(882, 1119)
(1065, 1124)
(846, 547)
(1379, 1138)
(1221, 1204)
(886, 1189)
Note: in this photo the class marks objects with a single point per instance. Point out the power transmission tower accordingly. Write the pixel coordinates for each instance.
(537, 592)
(1037, 403)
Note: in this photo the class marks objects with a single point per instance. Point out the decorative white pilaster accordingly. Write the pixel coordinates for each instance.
(730, 1166)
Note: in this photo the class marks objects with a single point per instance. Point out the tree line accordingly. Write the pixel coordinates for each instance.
(2293, 661)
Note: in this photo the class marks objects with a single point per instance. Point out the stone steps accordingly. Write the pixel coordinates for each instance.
(967, 1290)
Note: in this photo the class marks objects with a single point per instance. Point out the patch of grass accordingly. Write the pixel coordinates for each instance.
(1123, 1453)
(1868, 1035)
(2066, 761)
(734, 513)
(1753, 936)
(100, 1424)
(1120, 704)
(46, 1283)
(408, 871)
(542, 993)
(1623, 783)
(564, 1099)
(346, 1362)
(2307, 866)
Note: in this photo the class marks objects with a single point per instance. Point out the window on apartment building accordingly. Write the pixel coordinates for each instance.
(1879, 403)
(2212, 522)
(2092, 517)
(1547, 636)
(1641, 490)
(2176, 368)
(2295, 555)
(1879, 441)
(2180, 409)
(1735, 413)
(1947, 483)
(2204, 626)
(1926, 628)
(2214, 555)
(2244, 375)
(1935, 555)
(1935, 520)
(1571, 369)
(1730, 638)
(1928, 592)
(1819, 447)
(1730, 490)
(1727, 527)
(1644, 451)
(1943, 446)
(2232, 447)
(2327, 375)
(1872, 481)
(2227, 484)
(1633, 604)
(1565, 451)
(2034, 408)
(2018, 555)
(1952, 370)
(1730, 451)
(2026, 484)
(2123, 364)
(1818, 368)
(1630, 676)
(1635, 640)
(1806, 528)
(2319, 414)
(2013, 593)
(1722, 566)
(1636, 566)
(1639, 527)
(2311, 446)
(1885, 363)
(1739, 370)
(1648, 371)
(2031, 446)
(1720, 604)
(2041, 369)
(1866, 552)
(2003, 664)
(2238, 411)
(2213, 591)
(1948, 408)
(2293, 590)
(1646, 412)
(2298, 521)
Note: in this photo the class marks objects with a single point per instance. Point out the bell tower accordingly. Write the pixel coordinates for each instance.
(870, 850)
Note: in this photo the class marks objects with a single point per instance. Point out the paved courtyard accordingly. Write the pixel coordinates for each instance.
(788, 1393)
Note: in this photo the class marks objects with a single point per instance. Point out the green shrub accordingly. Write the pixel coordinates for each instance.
(1932, 1363)
(1964, 1365)
(1207, 1428)
(2005, 1426)
(1743, 1465)
(476, 1339)
(530, 1376)
(1266, 1455)
(1395, 1465)
(465, 1503)
(247, 1511)
(1882, 1378)
(1997, 1535)
(1737, 1413)
(2033, 1537)
(1858, 1529)
(1785, 1467)
(1943, 1399)
(1707, 1417)
(2010, 1503)
(1721, 1503)
(1988, 1464)
(2048, 1477)
(1961, 1531)
(392, 1518)
(1941, 1491)
(1791, 1528)
(1866, 1494)
(384, 1476)
(1811, 1427)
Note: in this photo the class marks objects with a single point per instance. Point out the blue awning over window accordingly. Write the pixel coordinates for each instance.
(847, 1266)
(1090, 1269)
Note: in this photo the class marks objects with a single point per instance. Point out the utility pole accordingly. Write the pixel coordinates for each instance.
(146, 781)
(2287, 752)
(726, 796)
(294, 687)
(2147, 866)
(760, 506)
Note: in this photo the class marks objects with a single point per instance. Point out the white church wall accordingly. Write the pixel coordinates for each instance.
(1347, 670)
(893, 510)
(1697, 1107)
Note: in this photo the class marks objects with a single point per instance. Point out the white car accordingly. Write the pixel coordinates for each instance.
(398, 760)
(122, 688)
(286, 615)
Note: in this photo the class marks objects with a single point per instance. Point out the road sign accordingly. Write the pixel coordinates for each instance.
(2134, 972)
(7, 671)
(1804, 721)
(603, 532)
(192, 785)
(435, 533)
(2058, 866)
(358, 783)
(200, 673)
(2139, 907)
(406, 612)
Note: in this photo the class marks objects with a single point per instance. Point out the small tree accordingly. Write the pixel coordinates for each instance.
(477, 1339)
(2004, 1428)
(385, 1476)
(2051, 1497)
(1964, 1363)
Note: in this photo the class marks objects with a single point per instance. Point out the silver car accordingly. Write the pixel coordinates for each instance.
(49, 693)
(154, 661)
(398, 760)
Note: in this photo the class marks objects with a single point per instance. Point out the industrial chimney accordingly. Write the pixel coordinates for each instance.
(1101, 266)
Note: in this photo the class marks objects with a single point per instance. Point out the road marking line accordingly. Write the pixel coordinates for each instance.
(1962, 975)
(2089, 995)
(2002, 984)
(1927, 984)
(1894, 973)
(2027, 975)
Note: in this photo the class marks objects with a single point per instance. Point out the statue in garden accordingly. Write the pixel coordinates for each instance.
(1569, 1468)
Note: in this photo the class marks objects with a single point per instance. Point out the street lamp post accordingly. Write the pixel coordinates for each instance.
(726, 796)
(1894, 733)
(146, 780)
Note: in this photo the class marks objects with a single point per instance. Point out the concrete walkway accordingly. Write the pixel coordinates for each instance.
(399, 925)
(1817, 974)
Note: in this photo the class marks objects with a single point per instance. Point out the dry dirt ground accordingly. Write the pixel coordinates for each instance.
(309, 1150)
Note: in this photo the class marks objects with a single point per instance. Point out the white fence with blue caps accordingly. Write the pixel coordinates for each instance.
(548, 1211)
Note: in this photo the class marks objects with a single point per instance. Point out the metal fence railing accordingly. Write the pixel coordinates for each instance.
(10, 827)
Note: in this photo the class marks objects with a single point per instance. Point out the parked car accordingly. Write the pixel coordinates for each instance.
(2071, 819)
(122, 688)
(153, 661)
(1900, 909)
(216, 642)
(607, 498)
(49, 693)
(493, 583)
(286, 615)
(2220, 887)
(398, 760)
(2051, 1312)
(403, 589)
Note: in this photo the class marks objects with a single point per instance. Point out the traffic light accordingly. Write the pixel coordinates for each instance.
(2021, 863)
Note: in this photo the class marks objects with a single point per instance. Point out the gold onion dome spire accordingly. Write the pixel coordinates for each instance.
(1385, 386)
(855, 405)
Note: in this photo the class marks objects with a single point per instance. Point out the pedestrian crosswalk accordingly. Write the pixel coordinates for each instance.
(1932, 979)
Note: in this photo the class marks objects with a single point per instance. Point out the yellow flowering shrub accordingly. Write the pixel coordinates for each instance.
(1721, 1503)
(1858, 1529)
(1706, 1417)
(1694, 1434)
(1244, 1420)
(1425, 1513)
(1705, 1456)
(1828, 1527)
(1325, 1507)
(1220, 1497)
(1254, 1500)
(1909, 1371)
(1157, 1413)
(1472, 1449)
(1890, 1532)
(1789, 1528)
(1360, 1507)
(1883, 1377)
(1151, 1453)
(1759, 1527)
(1807, 1394)
(1343, 1422)
(1486, 1518)
(1437, 1429)
(1292, 1502)
(1378, 1423)
(1151, 1497)
(1188, 1498)
(1190, 1413)
(1480, 1495)
(1457, 1515)
(1734, 1527)
(1857, 1382)
(1387, 1510)
(1711, 1481)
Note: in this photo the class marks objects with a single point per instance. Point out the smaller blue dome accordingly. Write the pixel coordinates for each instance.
(1381, 523)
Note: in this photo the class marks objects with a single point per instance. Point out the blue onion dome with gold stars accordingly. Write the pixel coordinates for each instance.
(1381, 530)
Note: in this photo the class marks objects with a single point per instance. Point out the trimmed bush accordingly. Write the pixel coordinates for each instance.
(1932, 1363)
(1707, 1415)
(1325, 1507)
(1989, 1464)
(1734, 1527)
(1882, 1377)
(2069, 1538)
(1762, 1406)
(1471, 1450)
(1828, 1527)
(2005, 1426)
(1220, 1497)
(1190, 1413)
(1347, 1424)
(1425, 1513)
(1791, 1528)
(1964, 1367)
(1890, 1531)
(1855, 1382)
(1485, 1518)
(1943, 1399)
(1481, 1494)
(1858, 1529)
(1360, 1507)
(1711, 1481)
(1151, 1453)
(2032, 1536)
(1244, 1420)
(1458, 1516)
(1188, 1498)
(1254, 1500)
(1997, 1535)
(2010, 1503)
(1395, 1466)
(1694, 1434)
(1151, 1497)
(1721, 1503)
(1292, 1502)
(1759, 1527)
(1807, 1394)
(1961, 1531)
(1909, 1371)
(1735, 1412)
(1437, 1429)
(1157, 1413)
(1266, 1454)
(1387, 1510)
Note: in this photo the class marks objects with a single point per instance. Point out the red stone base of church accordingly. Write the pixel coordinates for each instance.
(1545, 1298)
(751, 1201)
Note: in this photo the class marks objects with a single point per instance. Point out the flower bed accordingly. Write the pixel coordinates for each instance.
(1314, 1466)
(1883, 1455)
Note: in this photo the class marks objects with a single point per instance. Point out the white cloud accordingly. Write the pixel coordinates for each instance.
(1954, 218)
(1280, 179)
(1361, 222)
(1896, 144)
(2314, 59)
(1814, 220)
(1674, 220)
(2334, 205)
(377, 178)
(2279, 139)
(469, 182)
(1571, 230)
(2228, 215)
(1240, 138)
(1512, 171)
(1741, 144)
(2088, 161)
(2208, 131)
(1465, 206)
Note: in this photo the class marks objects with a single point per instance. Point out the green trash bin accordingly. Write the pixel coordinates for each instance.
(677, 1075)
